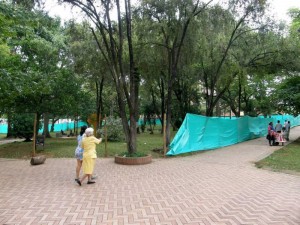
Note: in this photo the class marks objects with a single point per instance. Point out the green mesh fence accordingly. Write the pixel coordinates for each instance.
(57, 127)
(203, 133)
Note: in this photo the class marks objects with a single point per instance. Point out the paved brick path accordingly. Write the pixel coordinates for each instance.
(220, 187)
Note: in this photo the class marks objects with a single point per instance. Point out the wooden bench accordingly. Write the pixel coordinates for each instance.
(40, 141)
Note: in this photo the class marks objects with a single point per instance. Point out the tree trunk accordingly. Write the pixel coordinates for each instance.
(9, 128)
(218, 109)
(112, 49)
(209, 104)
(128, 135)
(46, 125)
(240, 96)
(169, 106)
(53, 123)
(38, 122)
(99, 103)
(162, 107)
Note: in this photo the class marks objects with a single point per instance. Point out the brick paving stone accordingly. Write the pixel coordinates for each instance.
(218, 187)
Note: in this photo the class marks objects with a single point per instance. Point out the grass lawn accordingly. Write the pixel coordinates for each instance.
(65, 147)
(285, 159)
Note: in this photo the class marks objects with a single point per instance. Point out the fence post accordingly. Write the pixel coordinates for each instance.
(34, 134)
(164, 136)
(105, 131)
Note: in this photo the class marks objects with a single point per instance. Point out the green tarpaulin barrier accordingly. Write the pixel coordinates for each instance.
(203, 133)
(57, 127)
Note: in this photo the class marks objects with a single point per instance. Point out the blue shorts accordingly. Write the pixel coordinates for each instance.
(79, 153)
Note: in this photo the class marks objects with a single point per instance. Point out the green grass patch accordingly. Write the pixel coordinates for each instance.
(65, 147)
(284, 159)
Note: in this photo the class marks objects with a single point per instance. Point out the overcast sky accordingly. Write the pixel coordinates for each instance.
(278, 7)
(281, 7)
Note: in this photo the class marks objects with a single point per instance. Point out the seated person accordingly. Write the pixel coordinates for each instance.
(71, 134)
(280, 138)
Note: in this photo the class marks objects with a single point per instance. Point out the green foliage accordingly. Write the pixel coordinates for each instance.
(37, 75)
(114, 129)
(90, 65)
(22, 125)
(288, 95)
(294, 13)
(4, 53)
(230, 59)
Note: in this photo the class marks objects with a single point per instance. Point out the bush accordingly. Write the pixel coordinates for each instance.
(22, 125)
(114, 129)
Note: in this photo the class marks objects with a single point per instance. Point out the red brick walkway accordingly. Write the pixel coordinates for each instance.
(214, 187)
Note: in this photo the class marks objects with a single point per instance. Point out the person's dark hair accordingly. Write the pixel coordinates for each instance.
(82, 130)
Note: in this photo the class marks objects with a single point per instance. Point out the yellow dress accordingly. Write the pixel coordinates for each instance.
(89, 153)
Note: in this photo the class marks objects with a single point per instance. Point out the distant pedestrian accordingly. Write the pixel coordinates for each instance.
(278, 127)
(79, 152)
(271, 134)
(285, 123)
(287, 130)
(89, 155)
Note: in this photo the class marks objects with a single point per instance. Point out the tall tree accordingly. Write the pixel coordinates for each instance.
(257, 55)
(37, 64)
(221, 29)
(115, 44)
(170, 21)
(88, 63)
(288, 96)
(288, 93)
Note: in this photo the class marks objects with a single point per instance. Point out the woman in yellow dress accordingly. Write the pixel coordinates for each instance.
(89, 155)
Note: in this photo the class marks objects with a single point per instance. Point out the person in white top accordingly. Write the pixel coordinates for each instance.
(287, 130)
(285, 123)
(278, 127)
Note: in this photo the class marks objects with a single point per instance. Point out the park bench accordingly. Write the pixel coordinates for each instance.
(40, 141)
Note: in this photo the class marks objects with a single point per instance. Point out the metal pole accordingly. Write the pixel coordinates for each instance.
(34, 134)
(105, 131)
(164, 136)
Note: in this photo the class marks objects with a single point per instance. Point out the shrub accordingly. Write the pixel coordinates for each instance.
(22, 125)
(114, 129)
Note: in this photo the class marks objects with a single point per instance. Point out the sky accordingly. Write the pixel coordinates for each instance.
(278, 7)
(64, 11)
